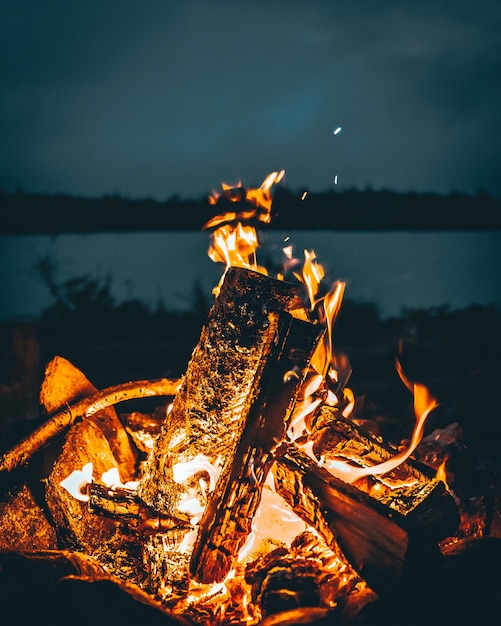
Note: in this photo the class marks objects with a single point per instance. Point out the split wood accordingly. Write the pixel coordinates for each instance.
(22, 452)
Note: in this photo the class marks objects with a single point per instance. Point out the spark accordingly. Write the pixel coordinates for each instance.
(335, 179)
(305, 193)
(337, 130)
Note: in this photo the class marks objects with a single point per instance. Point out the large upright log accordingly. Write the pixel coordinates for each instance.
(227, 518)
(246, 328)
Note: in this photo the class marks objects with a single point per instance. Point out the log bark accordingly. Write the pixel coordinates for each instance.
(366, 531)
(123, 505)
(410, 489)
(227, 518)
(386, 544)
(24, 524)
(221, 384)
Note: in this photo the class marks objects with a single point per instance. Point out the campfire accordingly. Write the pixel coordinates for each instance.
(252, 493)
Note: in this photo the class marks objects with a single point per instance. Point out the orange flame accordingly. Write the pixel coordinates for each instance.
(260, 198)
(323, 357)
(233, 243)
(424, 404)
(312, 275)
(442, 473)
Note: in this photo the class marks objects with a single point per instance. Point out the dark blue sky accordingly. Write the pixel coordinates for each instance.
(157, 97)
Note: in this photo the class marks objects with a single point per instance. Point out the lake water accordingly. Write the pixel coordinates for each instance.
(394, 270)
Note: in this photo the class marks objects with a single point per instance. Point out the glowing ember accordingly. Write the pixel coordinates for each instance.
(274, 524)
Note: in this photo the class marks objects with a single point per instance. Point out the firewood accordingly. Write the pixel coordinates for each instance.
(378, 540)
(76, 527)
(221, 385)
(227, 518)
(63, 384)
(372, 542)
(410, 489)
(305, 581)
(122, 504)
(60, 421)
(24, 524)
(61, 587)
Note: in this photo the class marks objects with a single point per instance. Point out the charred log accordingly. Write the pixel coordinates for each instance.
(227, 518)
(377, 539)
(410, 489)
(123, 505)
(59, 587)
(247, 324)
(24, 523)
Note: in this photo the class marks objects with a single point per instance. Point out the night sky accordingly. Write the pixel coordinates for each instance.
(155, 98)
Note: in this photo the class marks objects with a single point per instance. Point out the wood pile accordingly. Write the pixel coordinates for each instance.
(226, 420)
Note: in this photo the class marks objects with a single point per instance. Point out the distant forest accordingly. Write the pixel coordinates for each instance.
(27, 213)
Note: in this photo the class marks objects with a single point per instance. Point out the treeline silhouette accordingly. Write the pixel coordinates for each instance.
(28, 213)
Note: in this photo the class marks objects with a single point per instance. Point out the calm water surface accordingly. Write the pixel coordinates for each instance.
(395, 270)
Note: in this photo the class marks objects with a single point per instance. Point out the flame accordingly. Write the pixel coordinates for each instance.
(235, 246)
(111, 478)
(190, 502)
(312, 275)
(442, 473)
(234, 243)
(273, 518)
(185, 469)
(77, 482)
(324, 375)
(424, 404)
(330, 305)
(260, 198)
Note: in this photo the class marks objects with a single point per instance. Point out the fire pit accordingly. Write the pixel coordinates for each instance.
(251, 494)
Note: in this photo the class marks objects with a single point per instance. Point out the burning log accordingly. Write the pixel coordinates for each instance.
(227, 518)
(301, 585)
(123, 504)
(409, 488)
(371, 540)
(385, 533)
(227, 415)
